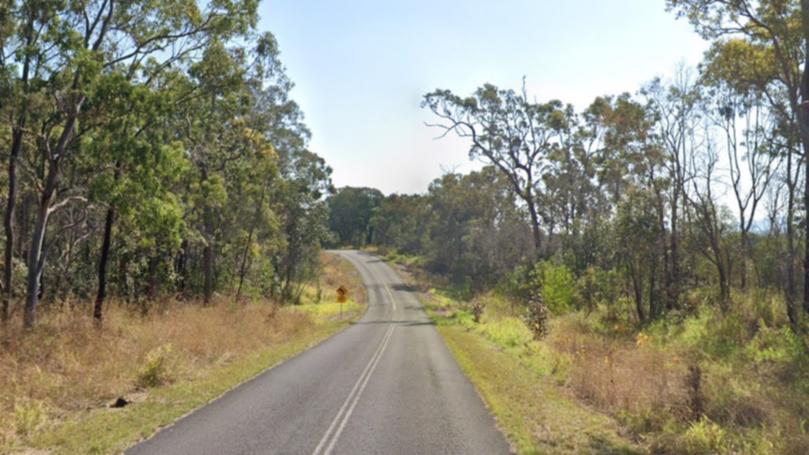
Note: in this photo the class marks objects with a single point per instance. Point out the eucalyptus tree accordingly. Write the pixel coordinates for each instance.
(402, 221)
(477, 233)
(304, 219)
(85, 44)
(350, 211)
(747, 128)
(507, 130)
(25, 56)
(710, 219)
(675, 106)
(632, 171)
(765, 41)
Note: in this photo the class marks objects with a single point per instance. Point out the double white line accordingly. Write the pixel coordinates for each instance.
(326, 444)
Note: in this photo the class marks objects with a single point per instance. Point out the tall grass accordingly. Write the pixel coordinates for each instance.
(67, 364)
(703, 382)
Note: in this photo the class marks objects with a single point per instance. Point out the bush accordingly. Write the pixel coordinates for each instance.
(537, 316)
(156, 371)
(557, 284)
(29, 416)
(705, 437)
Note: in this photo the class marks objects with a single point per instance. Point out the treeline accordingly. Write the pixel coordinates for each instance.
(151, 149)
(695, 185)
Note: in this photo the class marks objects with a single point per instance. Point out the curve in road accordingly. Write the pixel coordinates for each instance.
(386, 385)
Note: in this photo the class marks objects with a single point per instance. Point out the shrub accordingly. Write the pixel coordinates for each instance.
(705, 437)
(156, 371)
(477, 309)
(29, 416)
(557, 284)
(537, 316)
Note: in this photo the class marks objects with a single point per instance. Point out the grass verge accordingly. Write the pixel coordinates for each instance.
(535, 415)
(696, 382)
(57, 383)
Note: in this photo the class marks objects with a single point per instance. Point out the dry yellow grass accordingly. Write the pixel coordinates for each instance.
(67, 365)
(619, 375)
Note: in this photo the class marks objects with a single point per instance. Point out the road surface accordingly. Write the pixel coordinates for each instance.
(386, 385)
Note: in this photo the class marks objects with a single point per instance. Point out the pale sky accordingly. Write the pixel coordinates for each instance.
(361, 67)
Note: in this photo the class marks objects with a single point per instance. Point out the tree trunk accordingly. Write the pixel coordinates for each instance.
(674, 268)
(803, 120)
(8, 224)
(243, 266)
(103, 261)
(746, 254)
(36, 257)
(36, 260)
(208, 258)
(637, 287)
(535, 226)
(806, 224)
(724, 286)
(16, 148)
(791, 290)
(181, 266)
(102, 266)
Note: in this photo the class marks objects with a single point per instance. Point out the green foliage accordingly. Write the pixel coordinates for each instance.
(778, 346)
(157, 367)
(507, 332)
(181, 162)
(556, 284)
(350, 211)
(705, 436)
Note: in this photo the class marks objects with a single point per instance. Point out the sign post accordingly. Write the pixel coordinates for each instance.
(342, 296)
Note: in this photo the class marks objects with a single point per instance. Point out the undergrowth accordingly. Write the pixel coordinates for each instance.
(699, 382)
(67, 367)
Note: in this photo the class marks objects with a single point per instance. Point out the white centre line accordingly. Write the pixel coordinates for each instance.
(392, 299)
(353, 398)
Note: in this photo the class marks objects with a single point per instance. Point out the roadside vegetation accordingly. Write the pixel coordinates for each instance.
(594, 382)
(152, 153)
(162, 215)
(60, 387)
(646, 254)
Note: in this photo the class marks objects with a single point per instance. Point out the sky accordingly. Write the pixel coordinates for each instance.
(361, 68)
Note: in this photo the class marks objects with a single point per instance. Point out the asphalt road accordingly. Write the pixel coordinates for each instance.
(386, 385)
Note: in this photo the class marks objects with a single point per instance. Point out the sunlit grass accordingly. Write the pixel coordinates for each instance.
(56, 383)
(753, 375)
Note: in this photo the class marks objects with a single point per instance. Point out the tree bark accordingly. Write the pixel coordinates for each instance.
(106, 245)
(36, 259)
(537, 234)
(791, 290)
(803, 119)
(806, 224)
(8, 224)
(36, 254)
(674, 268)
(98, 308)
(746, 254)
(11, 203)
(243, 266)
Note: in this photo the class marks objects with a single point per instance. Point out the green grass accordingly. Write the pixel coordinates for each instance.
(534, 415)
(517, 378)
(329, 310)
(597, 378)
(113, 430)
